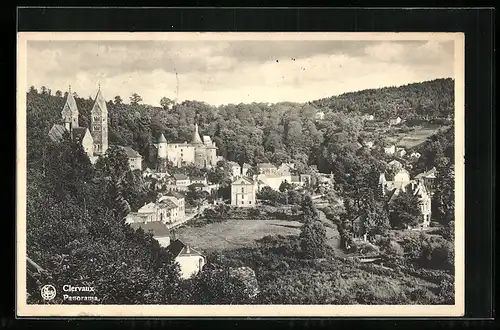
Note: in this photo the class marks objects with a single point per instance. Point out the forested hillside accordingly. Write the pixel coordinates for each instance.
(257, 132)
(432, 99)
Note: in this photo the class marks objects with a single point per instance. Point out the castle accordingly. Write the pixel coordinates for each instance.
(201, 152)
(94, 141)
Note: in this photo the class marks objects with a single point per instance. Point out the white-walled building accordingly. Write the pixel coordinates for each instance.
(190, 261)
(243, 191)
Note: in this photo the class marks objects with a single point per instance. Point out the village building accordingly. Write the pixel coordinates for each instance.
(243, 191)
(200, 151)
(158, 229)
(245, 168)
(235, 169)
(320, 115)
(286, 169)
(267, 168)
(134, 158)
(390, 150)
(368, 117)
(190, 261)
(428, 179)
(368, 144)
(181, 180)
(180, 200)
(402, 182)
(400, 152)
(415, 155)
(395, 121)
(395, 164)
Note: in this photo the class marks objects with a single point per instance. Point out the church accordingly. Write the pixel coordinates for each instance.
(201, 152)
(94, 140)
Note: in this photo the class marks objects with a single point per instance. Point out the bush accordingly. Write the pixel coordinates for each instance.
(313, 239)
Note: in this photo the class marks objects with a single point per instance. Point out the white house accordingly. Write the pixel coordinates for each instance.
(235, 169)
(190, 261)
(390, 150)
(134, 158)
(181, 180)
(415, 155)
(180, 200)
(400, 152)
(395, 121)
(243, 192)
(395, 164)
(244, 169)
(320, 115)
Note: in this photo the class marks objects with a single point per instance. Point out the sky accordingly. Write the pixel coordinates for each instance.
(225, 71)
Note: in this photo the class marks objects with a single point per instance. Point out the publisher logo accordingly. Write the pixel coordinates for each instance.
(48, 292)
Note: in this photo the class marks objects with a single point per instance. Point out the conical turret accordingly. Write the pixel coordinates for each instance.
(196, 136)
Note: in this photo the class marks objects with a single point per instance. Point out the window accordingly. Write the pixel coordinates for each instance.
(242, 189)
(242, 202)
(243, 197)
(249, 202)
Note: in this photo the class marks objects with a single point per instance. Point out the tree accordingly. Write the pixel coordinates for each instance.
(43, 89)
(313, 239)
(118, 100)
(58, 93)
(33, 90)
(444, 193)
(376, 220)
(309, 212)
(405, 210)
(284, 186)
(166, 103)
(135, 99)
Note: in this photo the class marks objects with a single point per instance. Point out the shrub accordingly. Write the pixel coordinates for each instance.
(313, 239)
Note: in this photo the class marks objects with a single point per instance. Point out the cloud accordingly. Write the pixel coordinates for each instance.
(220, 72)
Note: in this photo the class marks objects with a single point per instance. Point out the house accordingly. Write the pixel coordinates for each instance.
(200, 180)
(134, 158)
(395, 121)
(267, 168)
(158, 229)
(395, 164)
(244, 169)
(368, 117)
(168, 210)
(400, 152)
(415, 155)
(402, 182)
(272, 180)
(428, 179)
(243, 192)
(320, 115)
(368, 144)
(286, 169)
(190, 261)
(180, 200)
(136, 217)
(181, 180)
(235, 169)
(391, 150)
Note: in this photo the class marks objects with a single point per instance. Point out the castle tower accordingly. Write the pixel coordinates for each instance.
(99, 124)
(69, 112)
(162, 147)
(199, 148)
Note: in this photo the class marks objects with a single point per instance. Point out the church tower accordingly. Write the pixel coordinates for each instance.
(99, 124)
(69, 112)
(162, 147)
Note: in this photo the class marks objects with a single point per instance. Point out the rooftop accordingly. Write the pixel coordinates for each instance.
(179, 249)
(180, 177)
(157, 228)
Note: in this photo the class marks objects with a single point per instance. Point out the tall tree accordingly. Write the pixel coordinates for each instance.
(135, 99)
(405, 209)
(444, 192)
(118, 100)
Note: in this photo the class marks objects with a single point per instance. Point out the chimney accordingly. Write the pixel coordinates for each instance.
(188, 250)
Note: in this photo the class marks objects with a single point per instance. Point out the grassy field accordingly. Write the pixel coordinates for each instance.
(415, 137)
(233, 234)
